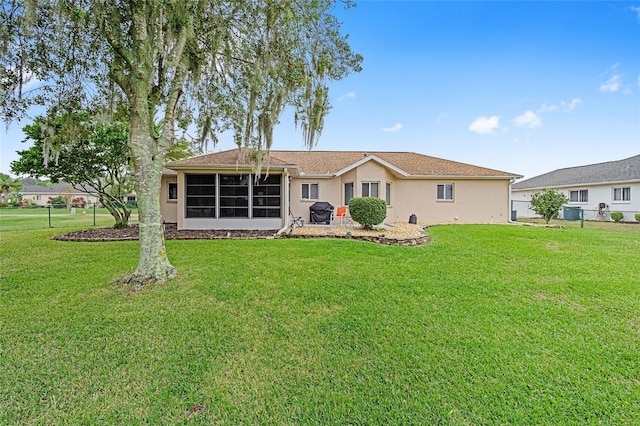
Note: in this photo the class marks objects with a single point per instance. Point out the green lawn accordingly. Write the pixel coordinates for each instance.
(12, 219)
(485, 325)
(629, 228)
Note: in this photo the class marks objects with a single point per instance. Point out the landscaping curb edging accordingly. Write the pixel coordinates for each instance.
(382, 240)
(403, 242)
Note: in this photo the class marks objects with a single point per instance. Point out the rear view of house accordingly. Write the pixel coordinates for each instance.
(220, 190)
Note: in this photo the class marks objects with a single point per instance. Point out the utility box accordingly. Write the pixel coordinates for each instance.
(571, 213)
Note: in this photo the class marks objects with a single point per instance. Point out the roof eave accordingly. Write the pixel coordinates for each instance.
(468, 177)
(575, 185)
(234, 167)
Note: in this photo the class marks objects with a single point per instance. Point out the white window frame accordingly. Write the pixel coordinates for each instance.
(169, 185)
(370, 185)
(581, 196)
(309, 187)
(446, 195)
(624, 194)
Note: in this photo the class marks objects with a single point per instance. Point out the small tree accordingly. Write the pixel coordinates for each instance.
(547, 203)
(98, 162)
(368, 211)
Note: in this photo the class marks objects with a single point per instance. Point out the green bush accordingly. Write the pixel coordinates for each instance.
(638, 217)
(547, 203)
(367, 211)
(58, 202)
(617, 216)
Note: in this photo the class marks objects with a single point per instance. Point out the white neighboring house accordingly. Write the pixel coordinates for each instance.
(596, 188)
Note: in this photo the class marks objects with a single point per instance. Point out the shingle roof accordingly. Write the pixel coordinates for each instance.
(53, 189)
(332, 162)
(611, 171)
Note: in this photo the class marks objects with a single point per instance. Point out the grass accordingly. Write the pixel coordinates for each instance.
(22, 219)
(486, 325)
(624, 227)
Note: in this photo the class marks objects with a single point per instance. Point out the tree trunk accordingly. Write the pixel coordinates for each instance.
(153, 264)
(118, 210)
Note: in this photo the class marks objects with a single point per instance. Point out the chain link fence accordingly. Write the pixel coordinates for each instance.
(64, 215)
(522, 210)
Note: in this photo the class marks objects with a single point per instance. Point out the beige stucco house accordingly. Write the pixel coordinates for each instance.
(42, 195)
(219, 191)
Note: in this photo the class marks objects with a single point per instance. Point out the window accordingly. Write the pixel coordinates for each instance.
(388, 194)
(234, 195)
(369, 189)
(445, 192)
(309, 191)
(348, 193)
(173, 191)
(580, 196)
(622, 194)
(266, 197)
(201, 196)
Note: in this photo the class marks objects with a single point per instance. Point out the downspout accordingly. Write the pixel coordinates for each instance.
(287, 202)
(511, 181)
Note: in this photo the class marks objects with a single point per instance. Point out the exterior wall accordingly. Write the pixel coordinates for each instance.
(168, 208)
(475, 200)
(597, 194)
(41, 199)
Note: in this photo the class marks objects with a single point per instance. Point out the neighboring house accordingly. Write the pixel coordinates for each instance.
(219, 191)
(615, 185)
(40, 195)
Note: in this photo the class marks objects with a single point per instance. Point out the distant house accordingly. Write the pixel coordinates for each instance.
(41, 195)
(219, 191)
(610, 186)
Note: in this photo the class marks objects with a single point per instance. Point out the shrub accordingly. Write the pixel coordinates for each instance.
(638, 217)
(78, 202)
(368, 211)
(547, 203)
(617, 216)
(58, 202)
(132, 204)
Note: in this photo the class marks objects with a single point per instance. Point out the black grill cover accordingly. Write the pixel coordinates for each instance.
(320, 211)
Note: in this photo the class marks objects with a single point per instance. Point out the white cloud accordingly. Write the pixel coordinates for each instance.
(441, 117)
(569, 106)
(393, 128)
(563, 106)
(528, 119)
(636, 10)
(350, 95)
(547, 108)
(612, 84)
(29, 79)
(485, 125)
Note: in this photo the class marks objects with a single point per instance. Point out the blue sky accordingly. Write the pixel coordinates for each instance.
(525, 87)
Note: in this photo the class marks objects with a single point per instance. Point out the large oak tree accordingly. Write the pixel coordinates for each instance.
(216, 64)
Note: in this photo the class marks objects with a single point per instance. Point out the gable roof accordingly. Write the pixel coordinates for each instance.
(335, 163)
(53, 189)
(609, 172)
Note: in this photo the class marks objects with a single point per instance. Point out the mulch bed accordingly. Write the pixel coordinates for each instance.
(170, 233)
